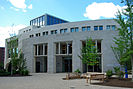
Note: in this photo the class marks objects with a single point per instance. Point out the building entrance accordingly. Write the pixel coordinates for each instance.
(63, 64)
(41, 64)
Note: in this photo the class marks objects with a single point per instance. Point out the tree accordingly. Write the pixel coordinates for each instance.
(89, 54)
(124, 42)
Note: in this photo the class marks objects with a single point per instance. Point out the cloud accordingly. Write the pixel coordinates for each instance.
(6, 31)
(24, 10)
(98, 10)
(30, 6)
(14, 8)
(20, 4)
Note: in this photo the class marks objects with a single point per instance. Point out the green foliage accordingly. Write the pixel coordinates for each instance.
(116, 69)
(4, 73)
(89, 54)
(109, 73)
(120, 74)
(124, 43)
(77, 71)
(24, 72)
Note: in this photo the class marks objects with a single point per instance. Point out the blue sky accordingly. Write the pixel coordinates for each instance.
(20, 12)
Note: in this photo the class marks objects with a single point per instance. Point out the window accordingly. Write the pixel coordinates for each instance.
(63, 30)
(54, 32)
(76, 29)
(43, 33)
(29, 29)
(108, 27)
(38, 34)
(46, 32)
(95, 28)
(88, 28)
(100, 27)
(83, 29)
(113, 27)
(72, 29)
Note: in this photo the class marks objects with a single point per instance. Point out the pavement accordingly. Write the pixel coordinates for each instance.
(48, 81)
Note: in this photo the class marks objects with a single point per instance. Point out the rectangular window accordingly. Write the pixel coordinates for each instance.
(72, 29)
(113, 27)
(76, 29)
(47, 33)
(65, 30)
(83, 28)
(43, 33)
(100, 27)
(62, 31)
(52, 32)
(88, 28)
(95, 28)
(108, 27)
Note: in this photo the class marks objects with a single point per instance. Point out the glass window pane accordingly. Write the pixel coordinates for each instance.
(113, 27)
(61, 31)
(65, 30)
(100, 27)
(76, 29)
(88, 28)
(72, 29)
(83, 28)
(108, 27)
(95, 28)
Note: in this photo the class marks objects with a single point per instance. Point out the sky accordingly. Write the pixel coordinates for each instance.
(16, 14)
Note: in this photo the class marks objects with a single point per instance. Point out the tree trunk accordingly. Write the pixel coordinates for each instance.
(87, 68)
(132, 66)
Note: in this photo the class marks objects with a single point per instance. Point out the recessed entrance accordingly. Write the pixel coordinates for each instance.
(63, 64)
(41, 64)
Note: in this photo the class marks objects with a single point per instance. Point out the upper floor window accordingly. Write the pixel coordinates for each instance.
(38, 34)
(54, 32)
(45, 33)
(100, 27)
(72, 29)
(95, 28)
(108, 27)
(63, 30)
(87, 28)
(75, 29)
(113, 27)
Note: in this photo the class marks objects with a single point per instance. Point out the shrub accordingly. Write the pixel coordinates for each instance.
(116, 69)
(120, 74)
(109, 73)
(4, 73)
(77, 71)
(24, 72)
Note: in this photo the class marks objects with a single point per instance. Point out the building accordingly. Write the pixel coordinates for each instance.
(53, 45)
(2, 54)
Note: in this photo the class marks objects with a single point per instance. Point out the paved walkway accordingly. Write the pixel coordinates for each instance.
(47, 81)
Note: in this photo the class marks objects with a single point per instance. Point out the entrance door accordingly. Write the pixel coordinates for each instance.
(67, 64)
(37, 67)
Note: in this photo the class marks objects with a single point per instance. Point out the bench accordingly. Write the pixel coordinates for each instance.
(98, 76)
(72, 76)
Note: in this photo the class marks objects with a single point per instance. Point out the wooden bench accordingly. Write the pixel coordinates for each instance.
(97, 76)
(72, 76)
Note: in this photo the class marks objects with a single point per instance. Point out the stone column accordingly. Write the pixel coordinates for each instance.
(51, 58)
(76, 61)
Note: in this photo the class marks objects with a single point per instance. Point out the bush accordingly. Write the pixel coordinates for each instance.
(4, 73)
(77, 71)
(109, 73)
(116, 69)
(120, 74)
(24, 72)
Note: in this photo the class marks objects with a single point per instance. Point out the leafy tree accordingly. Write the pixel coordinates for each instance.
(89, 54)
(124, 48)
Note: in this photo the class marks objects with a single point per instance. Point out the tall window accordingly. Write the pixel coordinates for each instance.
(100, 27)
(95, 28)
(74, 29)
(86, 28)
